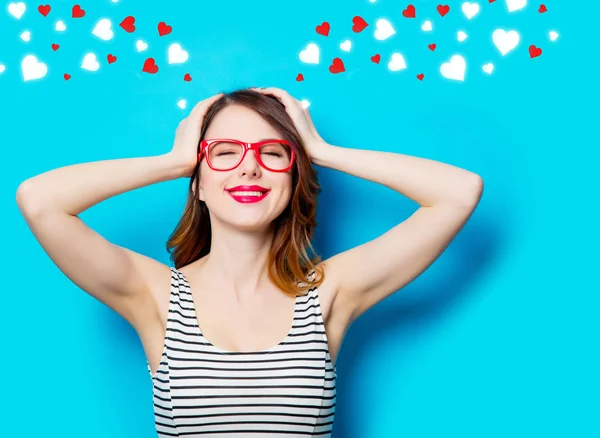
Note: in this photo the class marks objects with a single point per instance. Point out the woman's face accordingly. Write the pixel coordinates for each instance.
(241, 123)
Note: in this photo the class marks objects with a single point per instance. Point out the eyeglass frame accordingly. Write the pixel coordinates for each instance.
(205, 144)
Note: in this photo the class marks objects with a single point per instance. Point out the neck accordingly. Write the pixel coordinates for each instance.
(238, 262)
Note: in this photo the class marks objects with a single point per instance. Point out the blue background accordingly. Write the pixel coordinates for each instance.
(498, 338)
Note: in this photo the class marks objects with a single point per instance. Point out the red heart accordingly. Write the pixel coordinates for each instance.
(55, 47)
(150, 66)
(300, 77)
(337, 66)
(443, 9)
(44, 9)
(409, 12)
(164, 28)
(187, 77)
(542, 9)
(420, 76)
(359, 24)
(323, 28)
(376, 58)
(111, 58)
(128, 24)
(432, 47)
(67, 76)
(491, 1)
(534, 51)
(77, 12)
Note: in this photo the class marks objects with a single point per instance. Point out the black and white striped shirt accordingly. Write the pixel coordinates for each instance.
(201, 390)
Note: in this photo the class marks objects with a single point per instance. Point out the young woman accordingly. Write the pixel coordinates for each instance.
(242, 334)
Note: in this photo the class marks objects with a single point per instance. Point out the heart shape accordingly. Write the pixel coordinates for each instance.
(409, 12)
(534, 51)
(128, 24)
(26, 36)
(111, 58)
(553, 35)
(470, 9)
(44, 10)
(55, 47)
(77, 12)
(358, 24)
(461, 36)
(164, 29)
(376, 58)
(90, 62)
(455, 69)
(150, 66)
(323, 28)
(505, 41)
(187, 77)
(432, 47)
(443, 9)
(420, 76)
(141, 45)
(310, 55)
(337, 66)
(488, 68)
(176, 54)
(383, 29)
(17, 9)
(542, 9)
(346, 46)
(60, 26)
(515, 5)
(181, 104)
(103, 29)
(427, 27)
(397, 62)
(67, 76)
(32, 68)
(300, 77)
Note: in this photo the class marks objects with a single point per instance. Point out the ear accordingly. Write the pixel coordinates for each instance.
(201, 190)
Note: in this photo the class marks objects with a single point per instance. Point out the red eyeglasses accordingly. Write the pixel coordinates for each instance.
(226, 154)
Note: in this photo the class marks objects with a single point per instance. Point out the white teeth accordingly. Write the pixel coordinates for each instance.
(246, 193)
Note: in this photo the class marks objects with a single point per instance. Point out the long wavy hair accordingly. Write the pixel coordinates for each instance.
(292, 262)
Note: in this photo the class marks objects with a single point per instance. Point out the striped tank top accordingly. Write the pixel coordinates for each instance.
(200, 390)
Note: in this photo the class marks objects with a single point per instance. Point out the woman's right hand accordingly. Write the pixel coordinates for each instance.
(187, 136)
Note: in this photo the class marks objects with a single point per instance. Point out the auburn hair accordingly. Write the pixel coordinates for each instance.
(292, 260)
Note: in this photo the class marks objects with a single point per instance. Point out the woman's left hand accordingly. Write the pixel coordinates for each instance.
(314, 144)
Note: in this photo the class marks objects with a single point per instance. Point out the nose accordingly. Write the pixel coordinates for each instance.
(250, 164)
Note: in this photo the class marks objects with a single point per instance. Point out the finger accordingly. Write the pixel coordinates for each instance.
(282, 95)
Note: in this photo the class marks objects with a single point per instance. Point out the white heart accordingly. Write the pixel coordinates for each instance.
(26, 36)
(176, 54)
(455, 69)
(32, 68)
(553, 35)
(505, 41)
(461, 36)
(310, 55)
(17, 9)
(488, 68)
(90, 62)
(60, 26)
(305, 103)
(346, 45)
(2, 68)
(181, 104)
(140, 45)
(103, 30)
(383, 30)
(427, 27)
(470, 9)
(515, 5)
(397, 62)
